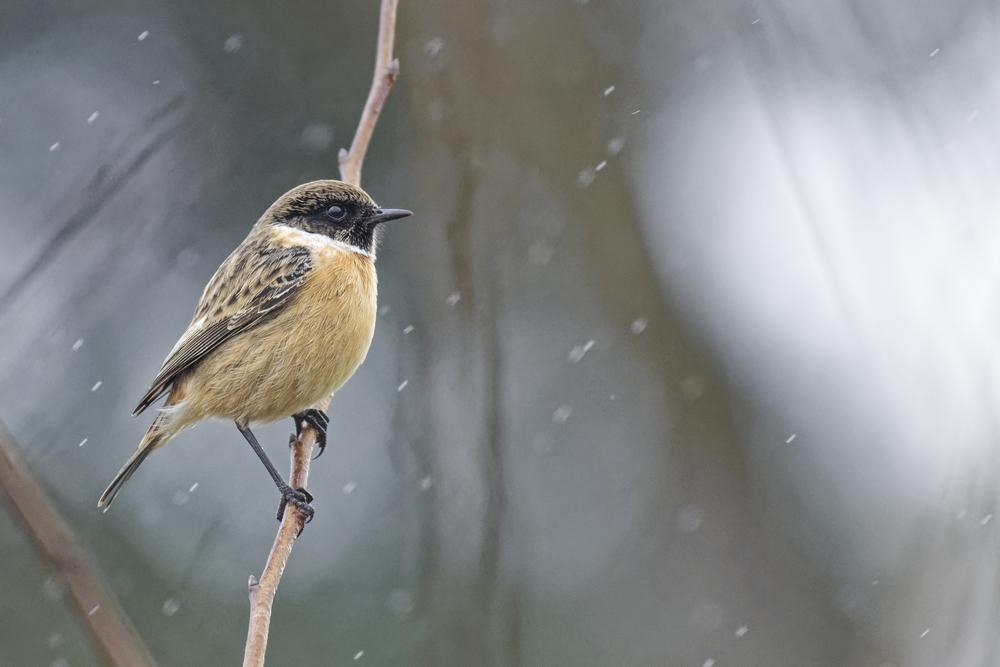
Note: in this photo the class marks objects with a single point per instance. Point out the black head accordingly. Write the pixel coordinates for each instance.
(341, 211)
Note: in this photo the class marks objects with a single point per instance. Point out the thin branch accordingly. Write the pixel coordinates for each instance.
(262, 592)
(115, 638)
(386, 71)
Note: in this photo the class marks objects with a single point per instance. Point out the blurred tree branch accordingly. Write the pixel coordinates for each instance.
(116, 639)
(262, 592)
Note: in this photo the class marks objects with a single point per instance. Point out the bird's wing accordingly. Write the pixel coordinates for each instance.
(254, 282)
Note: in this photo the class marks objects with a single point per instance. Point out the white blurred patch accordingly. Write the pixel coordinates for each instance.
(833, 233)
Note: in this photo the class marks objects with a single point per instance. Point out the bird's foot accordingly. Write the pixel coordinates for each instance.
(318, 420)
(299, 498)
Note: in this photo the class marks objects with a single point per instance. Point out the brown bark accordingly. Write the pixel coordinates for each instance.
(262, 592)
(115, 639)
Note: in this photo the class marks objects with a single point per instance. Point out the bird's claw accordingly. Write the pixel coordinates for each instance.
(300, 499)
(318, 420)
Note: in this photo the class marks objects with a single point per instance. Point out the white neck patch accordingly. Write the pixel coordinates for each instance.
(300, 237)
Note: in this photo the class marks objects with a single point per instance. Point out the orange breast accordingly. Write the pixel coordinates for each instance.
(308, 350)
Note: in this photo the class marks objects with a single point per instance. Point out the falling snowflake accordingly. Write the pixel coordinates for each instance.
(540, 253)
(434, 46)
(233, 43)
(578, 351)
(585, 177)
(317, 137)
(562, 414)
(52, 589)
(401, 601)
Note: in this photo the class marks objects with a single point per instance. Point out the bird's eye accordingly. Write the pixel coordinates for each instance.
(336, 212)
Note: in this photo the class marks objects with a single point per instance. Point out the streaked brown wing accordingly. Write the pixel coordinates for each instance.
(254, 282)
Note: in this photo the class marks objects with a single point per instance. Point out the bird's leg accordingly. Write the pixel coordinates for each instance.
(298, 497)
(318, 420)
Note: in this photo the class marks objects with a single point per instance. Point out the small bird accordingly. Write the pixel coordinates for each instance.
(285, 321)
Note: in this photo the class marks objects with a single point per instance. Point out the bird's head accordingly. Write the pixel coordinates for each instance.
(339, 210)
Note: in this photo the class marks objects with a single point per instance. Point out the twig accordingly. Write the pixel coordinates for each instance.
(115, 638)
(262, 592)
(386, 71)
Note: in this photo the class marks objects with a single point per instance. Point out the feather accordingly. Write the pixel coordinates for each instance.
(256, 281)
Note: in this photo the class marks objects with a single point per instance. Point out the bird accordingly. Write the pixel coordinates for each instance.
(285, 321)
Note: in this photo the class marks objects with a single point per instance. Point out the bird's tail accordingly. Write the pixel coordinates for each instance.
(158, 434)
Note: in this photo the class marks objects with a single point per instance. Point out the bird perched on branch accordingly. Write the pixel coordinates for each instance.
(285, 321)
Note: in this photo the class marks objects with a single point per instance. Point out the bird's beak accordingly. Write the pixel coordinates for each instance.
(387, 214)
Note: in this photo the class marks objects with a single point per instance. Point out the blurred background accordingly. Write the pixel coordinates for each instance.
(687, 359)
